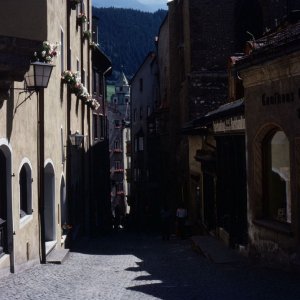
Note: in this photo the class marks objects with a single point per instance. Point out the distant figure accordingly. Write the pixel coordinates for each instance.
(117, 217)
(165, 216)
(181, 215)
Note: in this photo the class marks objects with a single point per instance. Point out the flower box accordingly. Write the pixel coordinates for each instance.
(86, 34)
(93, 45)
(47, 53)
(81, 19)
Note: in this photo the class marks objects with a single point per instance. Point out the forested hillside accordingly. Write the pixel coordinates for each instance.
(127, 35)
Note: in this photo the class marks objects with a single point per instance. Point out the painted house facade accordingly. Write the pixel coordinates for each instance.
(270, 73)
(145, 161)
(45, 194)
(119, 138)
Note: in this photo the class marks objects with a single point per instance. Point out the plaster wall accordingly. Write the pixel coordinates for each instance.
(31, 16)
(18, 115)
(266, 85)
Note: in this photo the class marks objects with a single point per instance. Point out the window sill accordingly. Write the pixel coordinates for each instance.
(284, 228)
(25, 220)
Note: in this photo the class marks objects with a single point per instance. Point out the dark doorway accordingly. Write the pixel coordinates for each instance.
(231, 187)
(209, 205)
(3, 204)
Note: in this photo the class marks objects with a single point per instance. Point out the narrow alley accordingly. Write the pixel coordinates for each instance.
(132, 266)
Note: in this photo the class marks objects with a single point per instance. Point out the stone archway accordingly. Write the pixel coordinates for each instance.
(49, 207)
(3, 204)
(6, 202)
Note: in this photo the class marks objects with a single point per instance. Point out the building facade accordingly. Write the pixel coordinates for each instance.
(270, 73)
(145, 154)
(119, 141)
(46, 181)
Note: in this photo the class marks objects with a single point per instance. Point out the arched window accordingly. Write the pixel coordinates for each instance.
(25, 191)
(276, 164)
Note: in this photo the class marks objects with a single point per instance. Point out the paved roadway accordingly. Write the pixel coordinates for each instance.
(127, 266)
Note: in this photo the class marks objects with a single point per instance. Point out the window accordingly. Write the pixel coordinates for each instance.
(77, 65)
(69, 61)
(117, 164)
(102, 127)
(78, 9)
(62, 63)
(141, 143)
(141, 84)
(83, 79)
(25, 191)
(95, 123)
(119, 186)
(276, 167)
(135, 144)
(141, 113)
(94, 81)
(63, 158)
(116, 144)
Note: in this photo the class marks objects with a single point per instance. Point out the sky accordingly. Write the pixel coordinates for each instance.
(155, 3)
(146, 5)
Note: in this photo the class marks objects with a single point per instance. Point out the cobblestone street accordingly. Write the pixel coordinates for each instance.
(129, 266)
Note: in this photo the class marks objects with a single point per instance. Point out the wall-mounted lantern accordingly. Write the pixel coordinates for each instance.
(38, 75)
(76, 139)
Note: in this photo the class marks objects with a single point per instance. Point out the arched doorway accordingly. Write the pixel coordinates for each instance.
(6, 226)
(3, 204)
(49, 208)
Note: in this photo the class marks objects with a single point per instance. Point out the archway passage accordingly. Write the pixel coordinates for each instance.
(49, 208)
(3, 204)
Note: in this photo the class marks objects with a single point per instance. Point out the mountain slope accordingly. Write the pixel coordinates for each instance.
(127, 36)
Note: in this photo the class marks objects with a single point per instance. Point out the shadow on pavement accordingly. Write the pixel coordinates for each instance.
(171, 270)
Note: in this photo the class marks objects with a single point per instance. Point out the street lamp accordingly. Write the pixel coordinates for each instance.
(38, 75)
(76, 139)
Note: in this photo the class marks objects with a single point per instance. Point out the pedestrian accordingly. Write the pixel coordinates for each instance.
(181, 216)
(165, 216)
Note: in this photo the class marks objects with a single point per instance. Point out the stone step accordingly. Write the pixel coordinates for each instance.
(57, 256)
(215, 250)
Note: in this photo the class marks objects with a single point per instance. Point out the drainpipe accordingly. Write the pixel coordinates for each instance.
(70, 217)
(41, 174)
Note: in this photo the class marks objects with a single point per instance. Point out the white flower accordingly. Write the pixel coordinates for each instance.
(43, 53)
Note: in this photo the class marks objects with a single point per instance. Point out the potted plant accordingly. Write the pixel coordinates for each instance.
(87, 34)
(81, 18)
(47, 53)
(94, 45)
(92, 103)
(70, 77)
